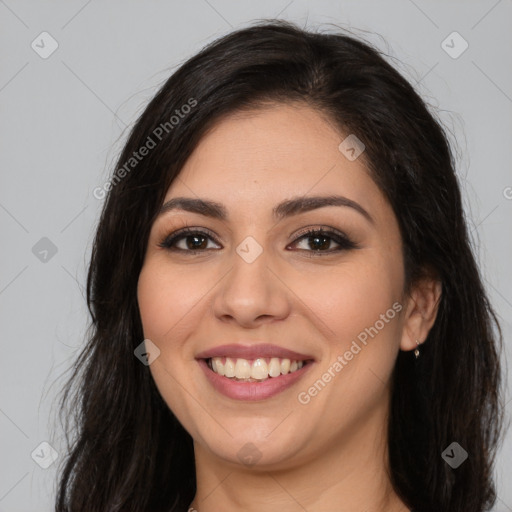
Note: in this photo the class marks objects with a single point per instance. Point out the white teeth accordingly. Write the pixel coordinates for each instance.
(229, 368)
(260, 369)
(242, 369)
(219, 367)
(274, 368)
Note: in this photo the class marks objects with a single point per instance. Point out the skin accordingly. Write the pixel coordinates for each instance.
(331, 453)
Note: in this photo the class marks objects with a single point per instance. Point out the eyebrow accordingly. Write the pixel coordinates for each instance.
(284, 209)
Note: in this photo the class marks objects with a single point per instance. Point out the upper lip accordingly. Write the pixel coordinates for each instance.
(252, 352)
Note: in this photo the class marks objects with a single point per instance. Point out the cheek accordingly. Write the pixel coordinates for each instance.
(361, 309)
(359, 305)
(348, 299)
(168, 300)
(166, 303)
(152, 296)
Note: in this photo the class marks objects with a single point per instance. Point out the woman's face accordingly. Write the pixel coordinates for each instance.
(258, 292)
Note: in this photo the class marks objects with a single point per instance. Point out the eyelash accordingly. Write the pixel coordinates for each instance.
(342, 240)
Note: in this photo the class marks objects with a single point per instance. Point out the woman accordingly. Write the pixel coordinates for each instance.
(286, 311)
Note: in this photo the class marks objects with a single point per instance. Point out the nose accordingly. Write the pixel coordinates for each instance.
(252, 293)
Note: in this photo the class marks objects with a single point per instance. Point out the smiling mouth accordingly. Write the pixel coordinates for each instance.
(254, 370)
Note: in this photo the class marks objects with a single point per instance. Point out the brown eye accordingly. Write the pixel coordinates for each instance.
(320, 241)
(187, 240)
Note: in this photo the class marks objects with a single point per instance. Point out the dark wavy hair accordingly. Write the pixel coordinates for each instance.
(127, 450)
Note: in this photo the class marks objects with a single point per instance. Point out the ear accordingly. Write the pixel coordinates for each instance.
(420, 312)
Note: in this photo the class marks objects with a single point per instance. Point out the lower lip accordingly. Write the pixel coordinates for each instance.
(252, 391)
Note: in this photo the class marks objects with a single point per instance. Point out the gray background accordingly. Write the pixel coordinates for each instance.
(64, 119)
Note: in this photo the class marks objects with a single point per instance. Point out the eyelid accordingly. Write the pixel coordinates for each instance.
(182, 233)
(318, 227)
(340, 238)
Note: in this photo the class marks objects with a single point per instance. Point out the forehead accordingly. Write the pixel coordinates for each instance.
(256, 158)
(292, 138)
